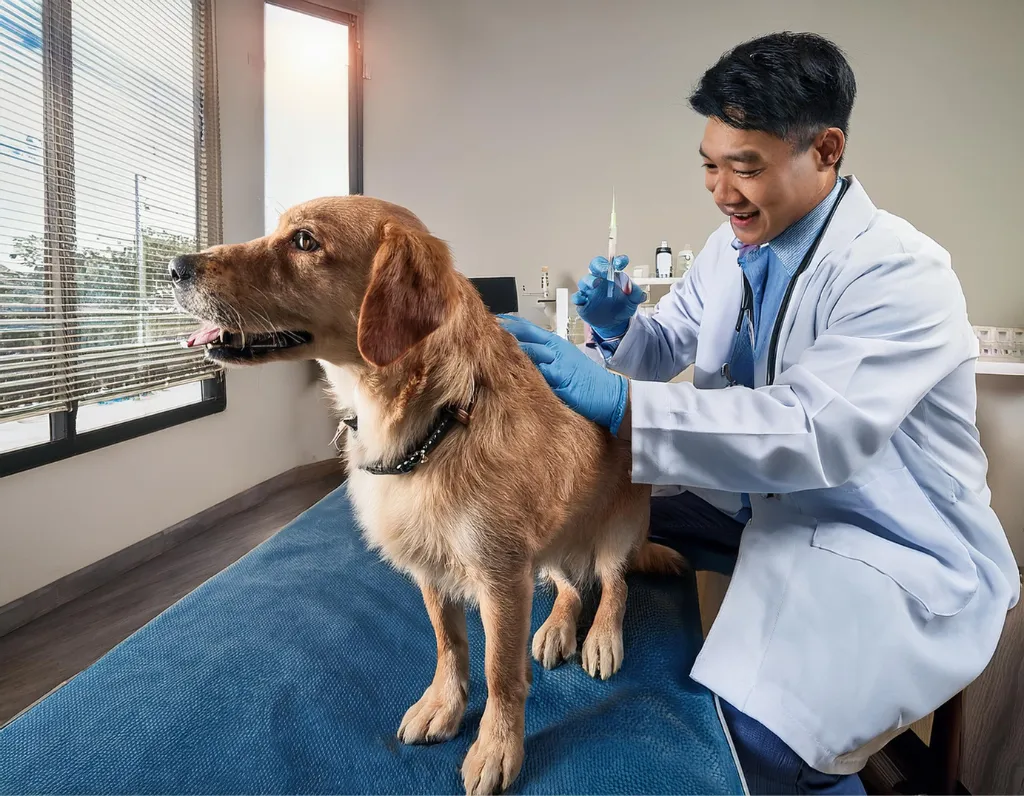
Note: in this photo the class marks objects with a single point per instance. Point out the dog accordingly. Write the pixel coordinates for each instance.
(465, 470)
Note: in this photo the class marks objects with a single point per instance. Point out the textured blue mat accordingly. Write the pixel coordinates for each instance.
(290, 671)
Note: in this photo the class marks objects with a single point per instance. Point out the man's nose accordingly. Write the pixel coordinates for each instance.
(182, 268)
(724, 193)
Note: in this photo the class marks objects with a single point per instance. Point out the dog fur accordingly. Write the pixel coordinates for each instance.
(527, 487)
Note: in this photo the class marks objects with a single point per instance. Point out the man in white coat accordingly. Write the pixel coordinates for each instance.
(828, 437)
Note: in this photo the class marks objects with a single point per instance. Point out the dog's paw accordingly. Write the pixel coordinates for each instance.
(492, 763)
(554, 642)
(602, 652)
(434, 718)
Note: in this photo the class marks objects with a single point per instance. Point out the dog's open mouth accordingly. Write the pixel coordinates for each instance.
(224, 346)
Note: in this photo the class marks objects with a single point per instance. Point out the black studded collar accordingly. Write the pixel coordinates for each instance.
(445, 421)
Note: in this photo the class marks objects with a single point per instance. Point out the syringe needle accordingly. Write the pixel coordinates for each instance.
(612, 235)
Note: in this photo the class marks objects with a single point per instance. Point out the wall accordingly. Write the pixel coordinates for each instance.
(59, 518)
(505, 125)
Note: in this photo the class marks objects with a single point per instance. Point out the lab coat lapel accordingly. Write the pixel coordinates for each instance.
(851, 218)
(717, 343)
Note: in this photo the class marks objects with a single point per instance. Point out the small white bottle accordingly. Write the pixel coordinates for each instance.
(684, 260)
(663, 261)
(545, 283)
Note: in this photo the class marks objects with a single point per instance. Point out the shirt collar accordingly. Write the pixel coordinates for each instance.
(790, 245)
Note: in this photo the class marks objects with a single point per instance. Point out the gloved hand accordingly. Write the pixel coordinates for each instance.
(608, 316)
(582, 384)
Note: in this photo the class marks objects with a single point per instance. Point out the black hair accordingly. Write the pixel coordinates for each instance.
(790, 85)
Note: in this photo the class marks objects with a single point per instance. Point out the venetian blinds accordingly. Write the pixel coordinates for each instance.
(108, 168)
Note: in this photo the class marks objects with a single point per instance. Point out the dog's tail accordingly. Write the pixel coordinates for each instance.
(656, 559)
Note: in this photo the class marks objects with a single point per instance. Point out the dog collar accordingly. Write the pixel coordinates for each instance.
(446, 420)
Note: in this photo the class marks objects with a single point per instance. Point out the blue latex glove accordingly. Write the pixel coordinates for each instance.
(608, 316)
(582, 384)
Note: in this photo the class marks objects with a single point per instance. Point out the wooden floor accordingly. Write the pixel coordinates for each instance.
(47, 651)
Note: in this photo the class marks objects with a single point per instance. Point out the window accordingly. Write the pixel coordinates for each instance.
(108, 168)
(311, 105)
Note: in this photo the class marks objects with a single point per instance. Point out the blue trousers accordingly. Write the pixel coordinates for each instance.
(711, 539)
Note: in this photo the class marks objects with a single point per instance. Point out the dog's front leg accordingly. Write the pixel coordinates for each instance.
(602, 648)
(437, 715)
(555, 640)
(494, 759)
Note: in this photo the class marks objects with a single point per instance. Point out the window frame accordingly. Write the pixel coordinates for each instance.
(325, 10)
(65, 442)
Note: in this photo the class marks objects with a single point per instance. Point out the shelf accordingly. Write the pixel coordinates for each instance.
(999, 367)
(656, 280)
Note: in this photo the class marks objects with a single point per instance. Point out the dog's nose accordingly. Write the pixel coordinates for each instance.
(182, 268)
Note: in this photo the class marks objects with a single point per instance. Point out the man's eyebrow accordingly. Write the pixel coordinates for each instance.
(742, 156)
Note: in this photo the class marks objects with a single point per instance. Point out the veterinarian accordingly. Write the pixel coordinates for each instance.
(828, 436)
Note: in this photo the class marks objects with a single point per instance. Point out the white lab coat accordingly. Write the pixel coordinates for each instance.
(873, 579)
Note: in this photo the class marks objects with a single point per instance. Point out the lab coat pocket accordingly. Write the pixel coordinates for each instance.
(899, 533)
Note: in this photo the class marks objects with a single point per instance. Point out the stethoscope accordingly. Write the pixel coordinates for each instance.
(746, 312)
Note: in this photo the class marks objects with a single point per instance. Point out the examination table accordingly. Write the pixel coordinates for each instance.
(290, 671)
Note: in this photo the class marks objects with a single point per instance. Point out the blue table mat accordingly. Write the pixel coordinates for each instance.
(290, 671)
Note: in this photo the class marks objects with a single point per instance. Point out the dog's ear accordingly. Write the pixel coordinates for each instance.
(409, 293)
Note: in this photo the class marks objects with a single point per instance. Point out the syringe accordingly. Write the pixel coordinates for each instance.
(612, 237)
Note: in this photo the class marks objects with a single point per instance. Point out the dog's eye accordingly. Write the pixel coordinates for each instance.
(305, 242)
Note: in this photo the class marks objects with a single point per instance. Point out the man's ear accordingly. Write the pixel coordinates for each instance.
(409, 294)
(830, 145)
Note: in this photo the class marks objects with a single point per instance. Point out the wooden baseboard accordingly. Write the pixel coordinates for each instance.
(43, 600)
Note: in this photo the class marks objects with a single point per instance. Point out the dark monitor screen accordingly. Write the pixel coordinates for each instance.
(498, 293)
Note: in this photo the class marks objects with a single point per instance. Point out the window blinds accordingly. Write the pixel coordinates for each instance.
(108, 168)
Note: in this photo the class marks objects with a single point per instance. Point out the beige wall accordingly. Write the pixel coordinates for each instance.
(59, 518)
(506, 124)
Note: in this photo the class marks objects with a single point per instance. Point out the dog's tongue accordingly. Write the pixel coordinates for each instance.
(207, 334)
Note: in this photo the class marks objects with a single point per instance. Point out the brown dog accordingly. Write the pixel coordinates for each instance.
(514, 484)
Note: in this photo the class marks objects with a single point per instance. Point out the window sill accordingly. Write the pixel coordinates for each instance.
(17, 461)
